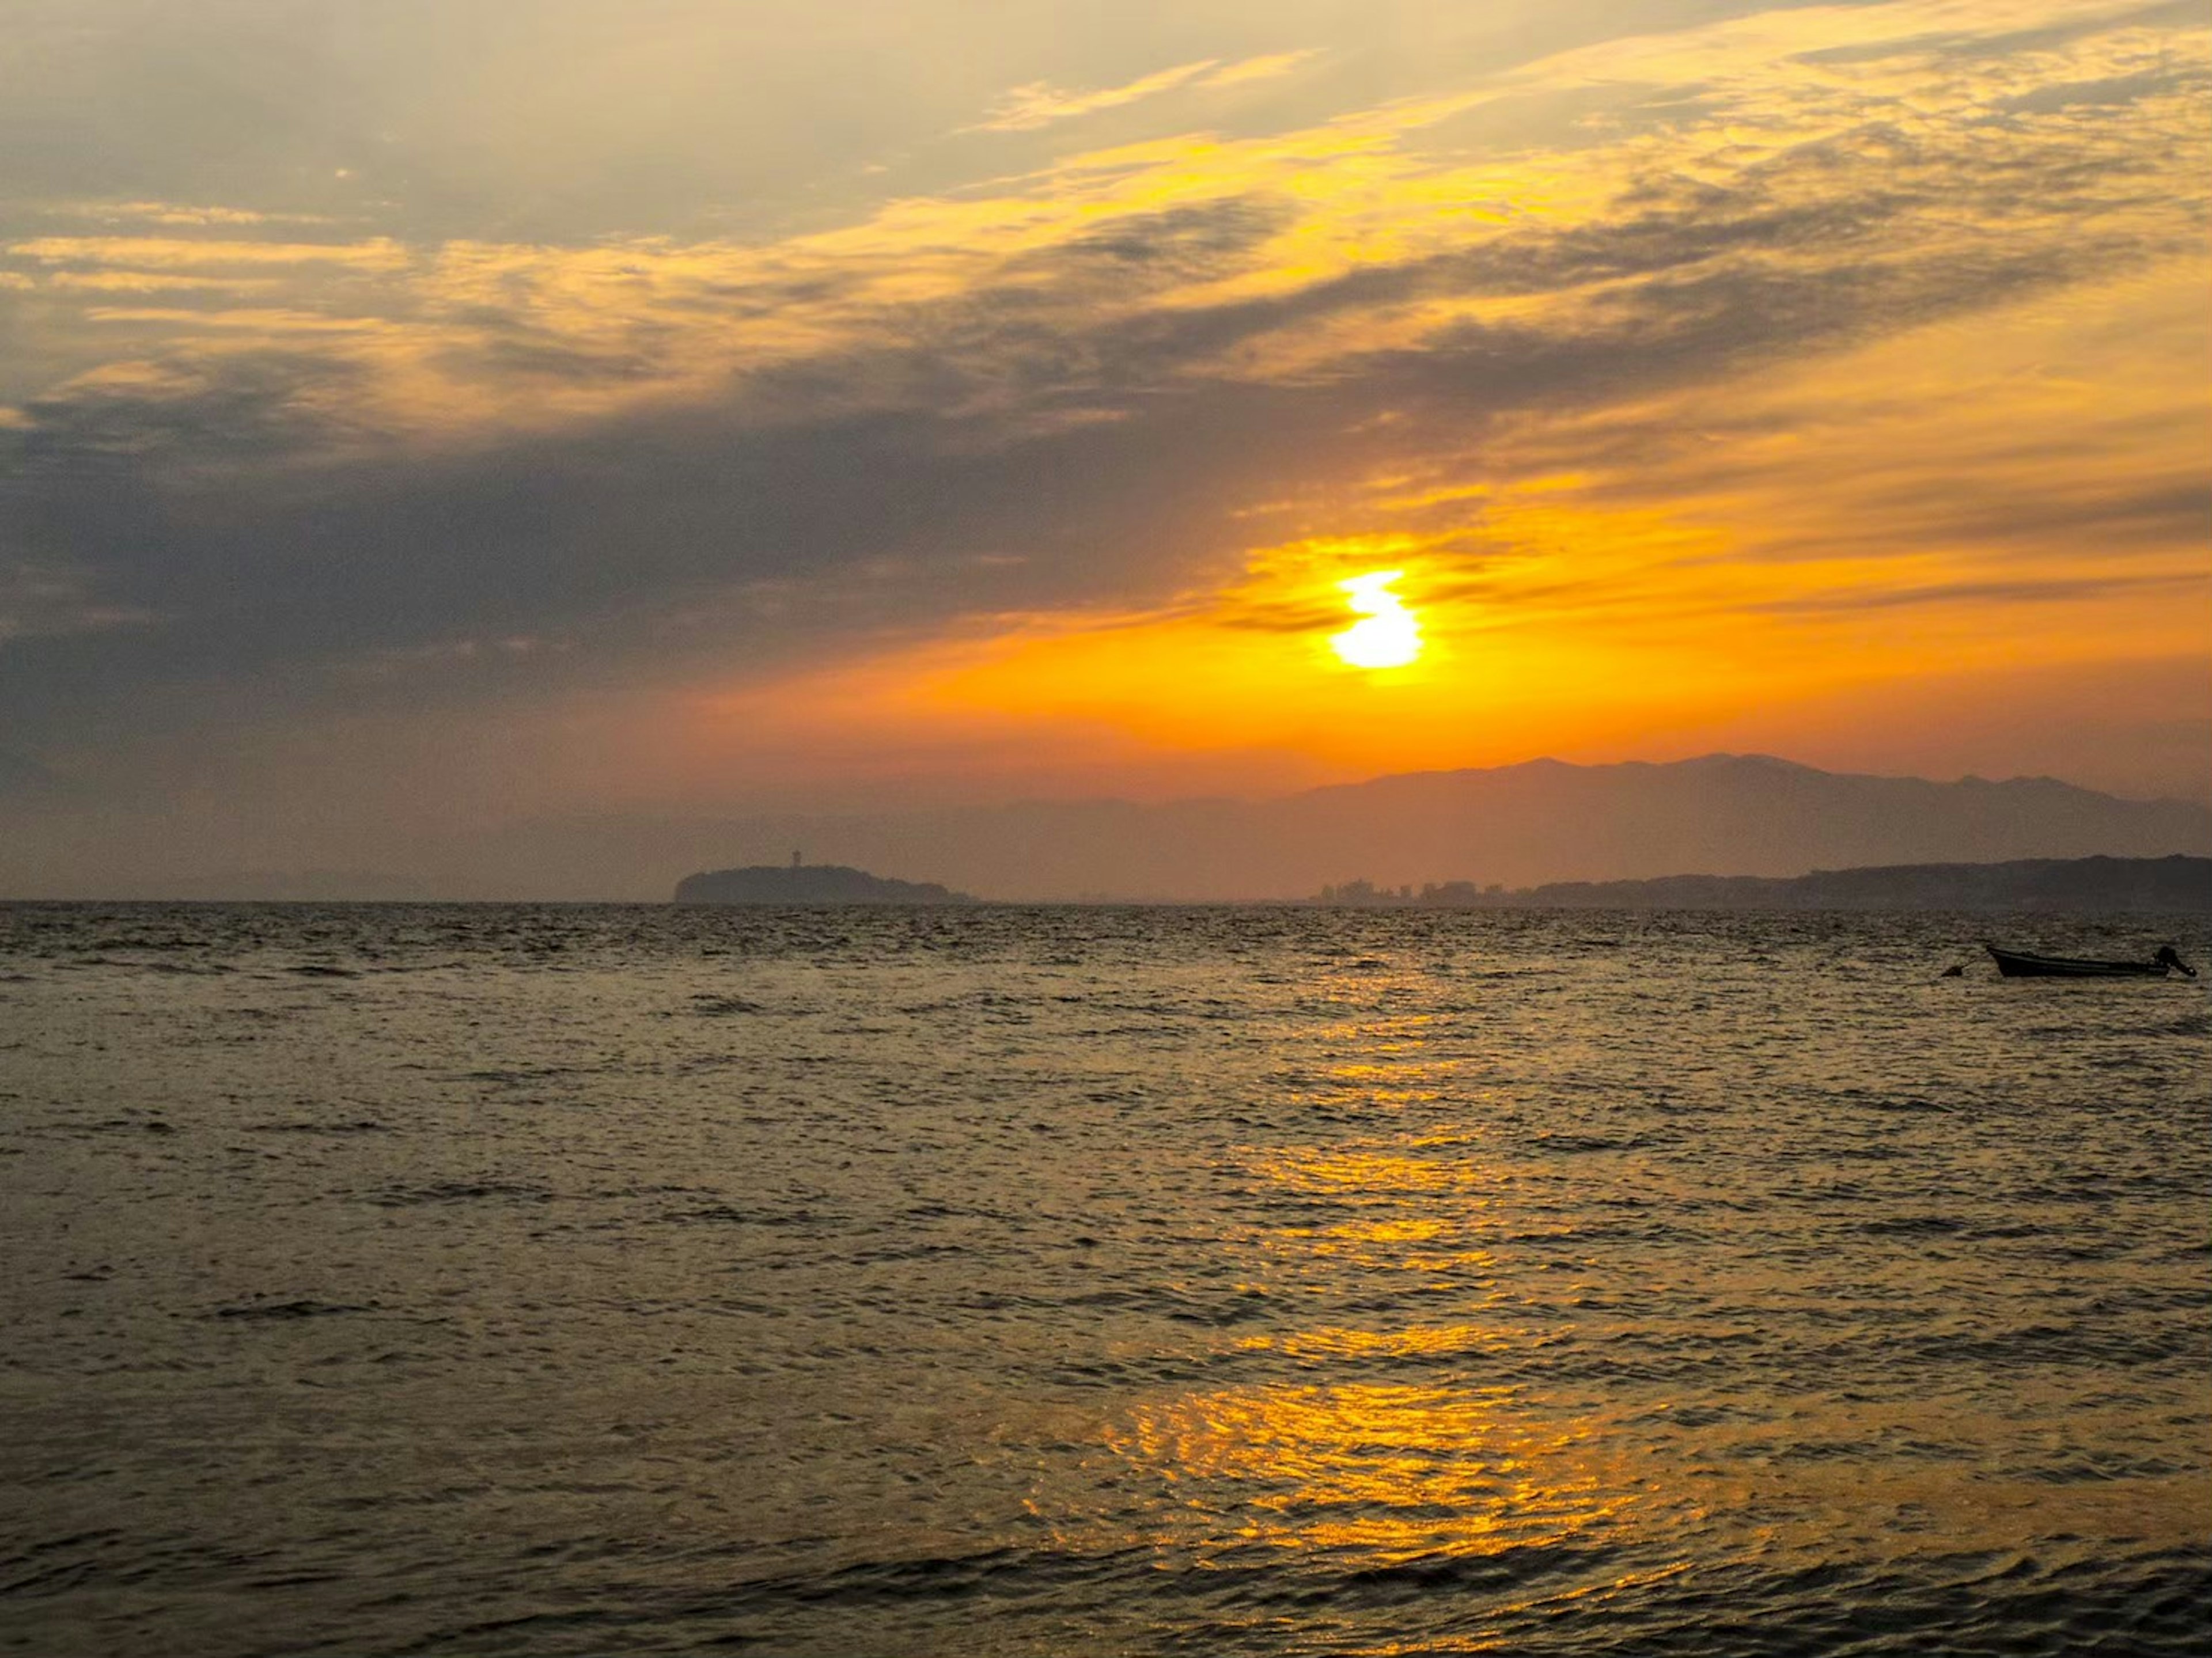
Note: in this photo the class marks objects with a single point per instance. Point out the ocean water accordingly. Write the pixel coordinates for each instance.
(585, 1280)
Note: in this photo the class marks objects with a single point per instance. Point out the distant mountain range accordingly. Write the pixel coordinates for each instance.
(1518, 826)
(1524, 826)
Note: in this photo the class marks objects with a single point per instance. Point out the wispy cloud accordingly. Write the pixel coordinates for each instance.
(1267, 68)
(377, 253)
(142, 281)
(38, 601)
(1041, 104)
(183, 214)
(267, 321)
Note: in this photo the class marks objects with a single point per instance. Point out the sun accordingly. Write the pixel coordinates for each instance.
(1386, 635)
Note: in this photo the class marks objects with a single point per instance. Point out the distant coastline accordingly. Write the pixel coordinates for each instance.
(1541, 831)
(1541, 822)
(808, 884)
(2177, 884)
(2173, 885)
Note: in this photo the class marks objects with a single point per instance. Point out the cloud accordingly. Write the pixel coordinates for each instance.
(1786, 212)
(1317, 252)
(2069, 591)
(1039, 104)
(376, 253)
(49, 602)
(180, 213)
(1267, 68)
(143, 281)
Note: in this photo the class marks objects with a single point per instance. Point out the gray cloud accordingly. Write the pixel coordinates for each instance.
(1960, 45)
(2056, 591)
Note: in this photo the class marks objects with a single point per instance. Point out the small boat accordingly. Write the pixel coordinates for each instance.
(2019, 964)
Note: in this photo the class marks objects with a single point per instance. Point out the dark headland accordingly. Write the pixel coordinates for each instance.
(2173, 885)
(809, 884)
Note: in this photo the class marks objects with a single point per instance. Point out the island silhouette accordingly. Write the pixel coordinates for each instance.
(798, 883)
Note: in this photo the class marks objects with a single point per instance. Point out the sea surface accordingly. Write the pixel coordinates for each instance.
(585, 1280)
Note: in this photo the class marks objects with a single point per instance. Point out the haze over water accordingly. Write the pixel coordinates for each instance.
(600, 1279)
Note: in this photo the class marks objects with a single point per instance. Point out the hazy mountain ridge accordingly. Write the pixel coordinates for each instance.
(1520, 826)
(1526, 825)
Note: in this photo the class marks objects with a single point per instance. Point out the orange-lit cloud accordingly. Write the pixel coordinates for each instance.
(1041, 104)
(160, 252)
(1808, 155)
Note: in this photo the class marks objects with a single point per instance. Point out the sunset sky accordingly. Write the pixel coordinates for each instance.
(421, 416)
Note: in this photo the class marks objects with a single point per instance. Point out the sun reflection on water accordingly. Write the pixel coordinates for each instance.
(1392, 1471)
(1372, 1446)
(1381, 1417)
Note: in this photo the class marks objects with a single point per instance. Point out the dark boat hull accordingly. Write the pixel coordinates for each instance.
(2018, 964)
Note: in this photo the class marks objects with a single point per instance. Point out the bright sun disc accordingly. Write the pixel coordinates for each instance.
(1386, 635)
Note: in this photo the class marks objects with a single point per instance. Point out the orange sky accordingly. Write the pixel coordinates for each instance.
(1776, 547)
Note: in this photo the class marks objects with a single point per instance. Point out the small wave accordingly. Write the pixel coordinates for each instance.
(717, 1007)
(713, 1214)
(1584, 1143)
(1506, 1569)
(2098, 1467)
(1912, 1226)
(121, 1125)
(523, 1073)
(362, 1125)
(922, 1577)
(404, 1197)
(289, 1309)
